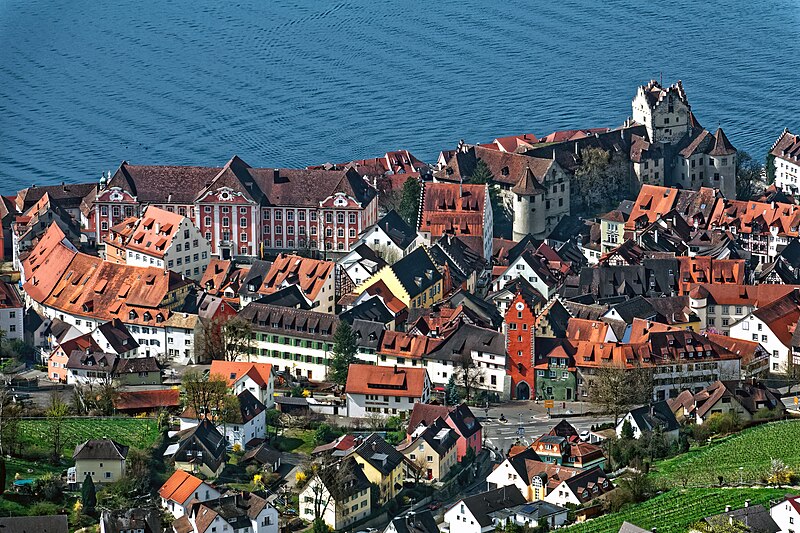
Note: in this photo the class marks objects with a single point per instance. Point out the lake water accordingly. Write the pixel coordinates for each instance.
(86, 84)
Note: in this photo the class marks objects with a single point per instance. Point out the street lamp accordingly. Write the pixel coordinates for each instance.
(741, 470)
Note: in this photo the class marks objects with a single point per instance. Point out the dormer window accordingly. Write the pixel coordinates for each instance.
(132, 314)
(148, 316)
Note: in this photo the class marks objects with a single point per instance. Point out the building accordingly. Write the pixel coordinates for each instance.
(431, 450)
(745, 398)
(534, 267)
(414, 280)
(103, 460)
(413, 522)
(147, 402)
(382, 464)
(244, 511)
(463, 210)
(257, 378)
(385, 390)
(356, 267)
(200, 449)
(314, 277)
(49, 524)
(750, 518)
(786, 514)
(138, 371)
(27, 228)
(580, 488)
(533, 477)
(90, 367)
(248, 424)
(114, 337)
(241, 210)
(134, 520)
(785, 155)
(339, 494)
(391, 238)
(648, 418)
(519, 332)
(473, 513)
(58, 359)
(534, 514)
(560, 450)
(459, 417)
(162, 239)
(11, 312)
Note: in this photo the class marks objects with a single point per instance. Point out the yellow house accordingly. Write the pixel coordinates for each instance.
(612, 230)
(432, 449)
(340, 492)
(103, 460)
(382, 464)
(414, 280)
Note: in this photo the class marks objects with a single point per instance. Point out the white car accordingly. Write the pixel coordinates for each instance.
(584, 435)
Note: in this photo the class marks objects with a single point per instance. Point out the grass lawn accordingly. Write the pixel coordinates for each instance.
(295, 440)
(135, 432)
(752, 449)
(29, 469)
(675, 510)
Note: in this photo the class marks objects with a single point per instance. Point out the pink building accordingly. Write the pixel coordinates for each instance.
(460, 418)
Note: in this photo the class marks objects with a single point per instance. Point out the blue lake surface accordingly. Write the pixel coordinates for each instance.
(87, 84)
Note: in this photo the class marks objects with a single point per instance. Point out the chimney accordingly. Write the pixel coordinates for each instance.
(747, 503)
(727, 508)
(158, 227)
(395, 369)
(374, 446)
(276, 174)
(730, 519)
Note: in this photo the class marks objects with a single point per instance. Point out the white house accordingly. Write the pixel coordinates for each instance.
(786, 514)
(532, 268)
(113, 337)
(360, 264)
(580, 488)
(387, 391)
(340, 492)
(648, 418)
(257, 378)
(238, 512)
(11, 312)
(390, 237)
(84, 367)
(472, 514)
(251, 423)
(786, 152)
(181, 490)
(533, 514)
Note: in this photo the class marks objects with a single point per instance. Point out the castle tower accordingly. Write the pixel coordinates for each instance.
(528, 209)
(665, 112)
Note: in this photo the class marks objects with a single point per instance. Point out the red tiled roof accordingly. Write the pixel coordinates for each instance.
(179, 486)
(233, 371)
(444, 211)
(383, 380)
(309, 274)
(154, 231)
(147, 399)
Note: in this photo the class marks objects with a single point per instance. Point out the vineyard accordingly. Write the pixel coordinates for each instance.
(135, 432)
(751, 450)
(675, 510)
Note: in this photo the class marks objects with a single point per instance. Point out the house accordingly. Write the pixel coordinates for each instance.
(58, 359)
(11, 312)
(90, 367)
(257, 378)
(114, 337)
(138, 371)
(382, 464)
(786, 514)
(745, 397)
(533, 514)
(414, 280)
(545, 275)
(749, 519)
(40, 524)
(316, 278)
(244, 511)
(772, 325)
(649, 418)
(519, 332)
(473, 513)
(264, 455)
(456, 209)
(103, 460)
(413, 522)
(580, 488)
(181, 490)
(339, 492)
(162, 239)
(385, 390)
(356, 267)
(526, 471)
(391, 238)
(785, 153)
(249, 424)
(147, 401)
(570, 452)
(431, 449)
(466, 267)
(135, 520)
(27, 228)
(201, 448)
(459, 417)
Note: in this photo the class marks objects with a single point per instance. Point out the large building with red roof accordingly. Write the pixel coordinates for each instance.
(385, 390)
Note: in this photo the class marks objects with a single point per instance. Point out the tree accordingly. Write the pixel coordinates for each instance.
(779, 474)
(616, 388)
(419, 467)
(345, 348)
(749, 180)
(56, 414)
(9, 424)
(792, 370)
(481, 174)
(468, 373)
(601, 179)
(323, 434)
(224, 338)
(627, 430)
(769, 169)
(409, 201)
(88, 494)
(237, 339)
(451, 392)
(205, 394)
(137, 469)
(230, 412)
(326, 485)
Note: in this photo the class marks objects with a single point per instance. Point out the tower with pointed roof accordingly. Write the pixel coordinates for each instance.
(529, 212)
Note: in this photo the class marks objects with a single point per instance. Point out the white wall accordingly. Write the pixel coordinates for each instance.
(11, 322)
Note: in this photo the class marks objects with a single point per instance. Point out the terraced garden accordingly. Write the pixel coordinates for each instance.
(135, 432)
(752, 449)
(675, 510)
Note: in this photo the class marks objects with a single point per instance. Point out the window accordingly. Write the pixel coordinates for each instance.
(207, 221)
(352, 218)
(243, 222)
(340, 218)
(290, 216)
(226, 222)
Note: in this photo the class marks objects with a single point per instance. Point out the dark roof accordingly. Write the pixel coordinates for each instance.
(126, 520)
(249, 406)
(380, 454)
(97, 361)
(415, 522)
(536, 510)
(145, 400)
(254, 278)
(481, 505)
(638, 307)
(289, 296)
(203, 437)
(480, 311)
(290, 400)
(68, 195)
(564, 429)
(466, 422)
(135, 365)
(440, 436)
(368, 334)
(462, 260)
(238, 510)
(658, 414)
(100, 449)
(755, 517)
(568, 227)
(527, 242)
(344, 478)
(586, 480)
(468, 338)
(396, 229)
(118, 336)
(416, 272)
(263, 454)
(270, 318)
(34, 524)
(372, 309)
(519, 463)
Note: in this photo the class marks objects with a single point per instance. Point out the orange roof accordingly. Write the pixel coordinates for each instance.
(233, 371)
(179, 487)
(379, 288)
(45, 264)
(703, 269)
(386, 380)
(641, 328)
(730, 294)
(154, 231)
(444, 211)
(742, 215)
(309, 274)
(215, 274)
(148, 399)
(651, 202)
(580, 329)
(402, 344)
(744, 348)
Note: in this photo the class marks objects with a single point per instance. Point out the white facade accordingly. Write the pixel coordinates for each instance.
(505, 475)
(305, 358)
(337, 515)
(241, 434)
(265, 522)
(187, 254)
(562, 495)
(357, 268)
(84, 377)
(786, 515)
(363, 405)
(752, 328)
(461, 520)
(265, 395)
(521, 268)
(11, 322)
(377, 240)
(787, 173)
(202, 493)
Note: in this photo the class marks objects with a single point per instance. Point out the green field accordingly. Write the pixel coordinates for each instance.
(675, 510)
(295, 440)
(752, 449)
(135, 432)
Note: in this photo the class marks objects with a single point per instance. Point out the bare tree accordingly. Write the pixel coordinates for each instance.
(224, 338)
(468, 373)
(616, 388)
(330, 484)
(419, 467)
(56, 415)
(205, 394)
(792, 370)
(9, 424)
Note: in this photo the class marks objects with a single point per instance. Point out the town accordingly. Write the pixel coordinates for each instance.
(593, 330)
